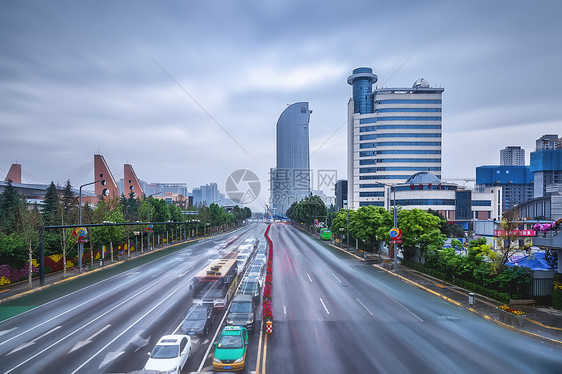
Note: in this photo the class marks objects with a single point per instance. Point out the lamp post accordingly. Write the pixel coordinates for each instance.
(393, 188)
(81, 245)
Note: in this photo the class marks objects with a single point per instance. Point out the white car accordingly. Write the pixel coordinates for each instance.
(170, 354)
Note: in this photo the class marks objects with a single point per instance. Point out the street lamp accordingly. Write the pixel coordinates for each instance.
(81, 245)
(393, 188)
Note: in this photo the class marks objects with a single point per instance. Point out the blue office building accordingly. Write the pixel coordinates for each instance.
(393, 133)
(516, 182)
(546, 163)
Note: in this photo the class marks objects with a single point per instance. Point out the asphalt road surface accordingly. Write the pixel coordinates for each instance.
(101, 324)
(334, 314)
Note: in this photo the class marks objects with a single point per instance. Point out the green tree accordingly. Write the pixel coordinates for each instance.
(29, 223)
(420, 231)
(508, 242)
(69, 204)
(369, 225)
(10, 202)
(51, 206)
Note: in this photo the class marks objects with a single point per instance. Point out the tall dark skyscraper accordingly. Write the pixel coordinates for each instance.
(290, 180)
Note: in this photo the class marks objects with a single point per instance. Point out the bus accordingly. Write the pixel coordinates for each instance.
(216, 283)
(325, 234)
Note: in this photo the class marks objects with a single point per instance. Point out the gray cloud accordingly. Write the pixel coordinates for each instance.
(78, 78)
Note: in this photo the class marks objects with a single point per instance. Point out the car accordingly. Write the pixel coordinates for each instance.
(251, 287)
(169, 354)
(241, 312)
(252, 241)
(230, 349)
(255, 270)
(198, 320)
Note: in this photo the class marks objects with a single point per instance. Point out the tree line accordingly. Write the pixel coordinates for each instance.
(20, 221)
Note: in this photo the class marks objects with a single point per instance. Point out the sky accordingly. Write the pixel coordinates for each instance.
(190, 91)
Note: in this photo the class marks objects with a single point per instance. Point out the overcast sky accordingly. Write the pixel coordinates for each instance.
(190, 91)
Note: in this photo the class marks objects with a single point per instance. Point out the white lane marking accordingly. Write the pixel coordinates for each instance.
(284, 309)
(82, 343)
(399, 303)
(181, 286)
(66, 311)
(30, 343)
(155, 275)
(324, 305)
(310, 279)
(336, 277)
(75, 331)
(3, 332)
(110, 357)
(363, 305)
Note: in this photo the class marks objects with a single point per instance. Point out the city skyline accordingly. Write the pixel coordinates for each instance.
(189, 93)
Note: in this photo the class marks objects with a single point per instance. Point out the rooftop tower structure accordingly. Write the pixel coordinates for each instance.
(362, 81)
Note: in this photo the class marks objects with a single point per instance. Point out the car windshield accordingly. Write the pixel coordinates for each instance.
(165, 351)
(230, 341)
(249, 286)
(241, 307)
(196, 314)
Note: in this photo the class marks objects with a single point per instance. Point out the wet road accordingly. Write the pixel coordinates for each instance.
(334, 314)
(109, 325)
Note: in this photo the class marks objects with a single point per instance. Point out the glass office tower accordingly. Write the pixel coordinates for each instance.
(393, 133)
(290, 180)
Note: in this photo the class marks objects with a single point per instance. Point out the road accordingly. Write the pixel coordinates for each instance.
(101, 324)
(334, 314)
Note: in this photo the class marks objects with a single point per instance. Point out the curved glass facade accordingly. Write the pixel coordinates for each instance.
(290, 180)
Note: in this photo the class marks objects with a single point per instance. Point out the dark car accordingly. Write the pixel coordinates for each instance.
(241, 312)
(251, 287)
(198, 320)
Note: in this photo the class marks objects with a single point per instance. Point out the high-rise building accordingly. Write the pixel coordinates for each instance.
(512, 156)
(546, 164)
(341, 194)
(393, 133)
(290, 180)
(516, 183)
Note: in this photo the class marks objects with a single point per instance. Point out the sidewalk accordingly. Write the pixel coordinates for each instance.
(542, 322)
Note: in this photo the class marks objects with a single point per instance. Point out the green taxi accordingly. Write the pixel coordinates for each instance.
(230, 349)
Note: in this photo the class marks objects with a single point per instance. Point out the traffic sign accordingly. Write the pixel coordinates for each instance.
(395, 233)
(395, 241)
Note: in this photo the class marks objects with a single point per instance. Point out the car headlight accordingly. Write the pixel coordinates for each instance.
(239, 360)
(217, 360)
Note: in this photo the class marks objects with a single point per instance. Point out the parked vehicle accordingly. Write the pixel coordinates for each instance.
(170, 354)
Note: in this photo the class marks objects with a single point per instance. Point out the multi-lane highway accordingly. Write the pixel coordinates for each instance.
(334, 314)
(109, 325)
